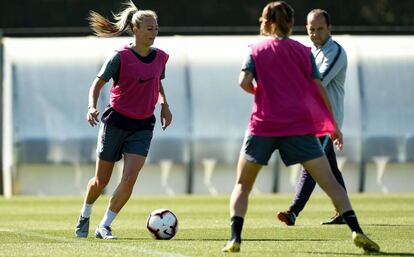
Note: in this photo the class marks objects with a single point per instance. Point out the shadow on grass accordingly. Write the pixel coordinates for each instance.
(287, 240)
(225, 239)
(389, 225)
(365, 254)
(403, 254)
(396, 254)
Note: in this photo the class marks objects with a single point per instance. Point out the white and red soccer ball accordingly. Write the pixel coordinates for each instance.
(162, 224)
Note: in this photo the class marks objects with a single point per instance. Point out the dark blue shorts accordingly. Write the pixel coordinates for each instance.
(292, 149)
(113, 142)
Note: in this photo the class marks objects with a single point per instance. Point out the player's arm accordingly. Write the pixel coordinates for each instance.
(246, 81)
(92, 115)
(337, 135)
(110, 69)
(165, 115)
(248, 73)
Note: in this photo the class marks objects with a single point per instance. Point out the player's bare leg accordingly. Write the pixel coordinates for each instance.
(320, 170)
(95, 187)
(133, 164)
(246, 176)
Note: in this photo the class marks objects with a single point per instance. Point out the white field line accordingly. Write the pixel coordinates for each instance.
(134, 249)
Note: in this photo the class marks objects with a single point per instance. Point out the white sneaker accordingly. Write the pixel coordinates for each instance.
(104, 233)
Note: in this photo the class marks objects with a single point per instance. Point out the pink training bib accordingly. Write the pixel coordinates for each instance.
(136, 93)
(287, 101)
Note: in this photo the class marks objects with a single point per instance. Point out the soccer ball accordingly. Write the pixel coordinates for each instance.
(162, 224)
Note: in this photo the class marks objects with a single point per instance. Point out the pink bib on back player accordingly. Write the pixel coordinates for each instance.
(287, 101)
(136, 93)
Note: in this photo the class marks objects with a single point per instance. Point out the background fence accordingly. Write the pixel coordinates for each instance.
(205, 17)
(48, 147)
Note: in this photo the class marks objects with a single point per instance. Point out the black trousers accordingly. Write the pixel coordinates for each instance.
(307, 184)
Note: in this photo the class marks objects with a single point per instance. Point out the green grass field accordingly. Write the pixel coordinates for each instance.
(44, 226)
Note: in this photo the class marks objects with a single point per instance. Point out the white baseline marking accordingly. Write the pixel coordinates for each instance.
(134, 249)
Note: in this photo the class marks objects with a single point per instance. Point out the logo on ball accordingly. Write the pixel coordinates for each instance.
(162, 224)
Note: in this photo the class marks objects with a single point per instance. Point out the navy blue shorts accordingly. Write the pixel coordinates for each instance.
(292, 149)
(113, 142)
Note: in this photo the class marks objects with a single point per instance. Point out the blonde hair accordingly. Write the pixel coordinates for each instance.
(125, 20)
(277, 19)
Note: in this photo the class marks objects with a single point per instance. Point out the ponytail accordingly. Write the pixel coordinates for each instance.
(124, 21)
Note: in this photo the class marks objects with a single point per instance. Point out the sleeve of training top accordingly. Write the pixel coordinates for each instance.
(339, 65)
(315, 71)
(248, 64)
(110, 67)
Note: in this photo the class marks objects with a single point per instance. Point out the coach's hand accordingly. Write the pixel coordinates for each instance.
(92, 116)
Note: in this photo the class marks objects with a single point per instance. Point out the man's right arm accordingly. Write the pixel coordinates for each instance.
(340, 64)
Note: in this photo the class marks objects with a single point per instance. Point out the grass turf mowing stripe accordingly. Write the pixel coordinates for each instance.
(133, 249)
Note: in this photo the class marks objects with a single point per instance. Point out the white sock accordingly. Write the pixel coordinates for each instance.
(108, 218)
(86, 210)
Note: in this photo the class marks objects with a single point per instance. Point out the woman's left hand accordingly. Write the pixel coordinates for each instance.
(166, 116)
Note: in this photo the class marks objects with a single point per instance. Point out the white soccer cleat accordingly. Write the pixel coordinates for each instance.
(104, 233)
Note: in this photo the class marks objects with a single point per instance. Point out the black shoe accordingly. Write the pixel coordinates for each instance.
(287, 217)
(335, 220)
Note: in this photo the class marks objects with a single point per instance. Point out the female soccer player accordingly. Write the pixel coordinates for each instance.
(290, 109)
(127, 124)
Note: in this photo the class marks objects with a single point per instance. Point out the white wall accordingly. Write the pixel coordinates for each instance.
(47, 81)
